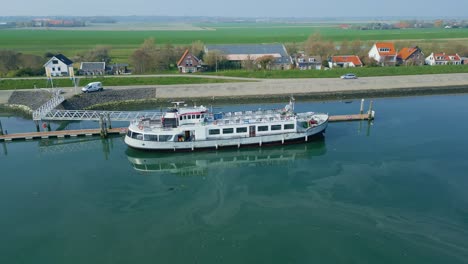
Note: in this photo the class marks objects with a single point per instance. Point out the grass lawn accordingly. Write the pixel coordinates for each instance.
(11, 84)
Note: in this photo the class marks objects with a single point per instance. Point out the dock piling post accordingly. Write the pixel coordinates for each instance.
(38, 128)
(362, 107)
(1, 128)
(48, 126)
(370, 110)
(109, 121)
(102, 124)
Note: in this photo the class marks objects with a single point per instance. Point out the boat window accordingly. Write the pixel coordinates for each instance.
(189, 117)
(129, 133)
(165, 137)
(241, 130)
(213, 132)
(198, 116)
(228, 130)
(288, 126)
(180, 117)
(147, 137)
(135, 135)
(193, 116)
(276, 127)
(262, 128)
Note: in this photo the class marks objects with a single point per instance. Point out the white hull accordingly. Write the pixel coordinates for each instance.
(238, 142)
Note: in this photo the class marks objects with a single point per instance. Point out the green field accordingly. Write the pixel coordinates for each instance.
(123, 43)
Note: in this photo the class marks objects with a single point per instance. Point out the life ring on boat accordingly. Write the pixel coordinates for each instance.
(287, 118)
(140, 127)
(215, 122)
(312, 122)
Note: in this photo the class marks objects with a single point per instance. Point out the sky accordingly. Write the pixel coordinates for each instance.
(237, 8)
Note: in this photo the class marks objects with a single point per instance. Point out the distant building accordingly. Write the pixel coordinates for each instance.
(58, 65)
(413, 56)
(306, 62)
(383, 53)
(346, 61)
(239, 53)
(188, 63)
(92, 68)
(443, 59)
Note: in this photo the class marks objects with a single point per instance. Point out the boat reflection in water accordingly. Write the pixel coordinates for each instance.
(193, 164)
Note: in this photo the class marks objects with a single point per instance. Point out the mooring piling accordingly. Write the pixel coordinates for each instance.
(1, 128)
(362, 107)
(370, 110)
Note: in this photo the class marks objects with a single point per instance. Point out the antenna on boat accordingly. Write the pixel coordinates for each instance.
(291, 102)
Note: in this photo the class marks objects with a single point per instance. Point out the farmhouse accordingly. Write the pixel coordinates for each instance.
(443, 59)
(240, 53)
(188, 63)
(58, 65)
(92, 68)
(383, 53)
(344, 61)
(410, 56)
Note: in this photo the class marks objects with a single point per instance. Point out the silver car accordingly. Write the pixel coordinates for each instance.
(349, 76)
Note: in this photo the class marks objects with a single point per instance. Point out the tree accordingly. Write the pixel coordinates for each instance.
(265, 61)
(99, 54)
(315, 45)
(144, 58)
(213, 59)
(198, 49)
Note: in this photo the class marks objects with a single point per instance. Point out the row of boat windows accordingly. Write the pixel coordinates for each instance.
(244, 129)
(147, 137)
(184, 117)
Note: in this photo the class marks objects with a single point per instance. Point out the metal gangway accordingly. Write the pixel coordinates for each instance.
(56, 100)
(47, 112)
(94, 115)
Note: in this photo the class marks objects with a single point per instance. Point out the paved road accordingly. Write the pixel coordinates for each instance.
(292, 86)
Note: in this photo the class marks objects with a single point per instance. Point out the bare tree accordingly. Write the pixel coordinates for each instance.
(214, 58)
(198, 49)
(265, 61)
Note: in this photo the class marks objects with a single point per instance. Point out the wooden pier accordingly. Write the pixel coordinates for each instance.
(356, 117)
(62, 134)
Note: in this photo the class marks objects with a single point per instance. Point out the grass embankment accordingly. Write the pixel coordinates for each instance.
(12, 84)
(335, 73)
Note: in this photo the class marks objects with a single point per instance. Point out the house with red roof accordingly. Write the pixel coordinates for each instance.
(443, 59)
(189, 63)
(345, 61)
(410, 56)
(383, 53)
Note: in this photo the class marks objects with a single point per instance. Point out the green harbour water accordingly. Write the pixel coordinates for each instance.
(394, 191)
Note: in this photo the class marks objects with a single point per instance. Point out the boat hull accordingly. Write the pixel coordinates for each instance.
(257, 141)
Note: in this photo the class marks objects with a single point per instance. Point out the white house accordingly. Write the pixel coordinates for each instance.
(383, 53)
(58, 65)
(443, 59)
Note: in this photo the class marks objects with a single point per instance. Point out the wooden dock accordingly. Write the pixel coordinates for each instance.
(344, 118)
(62, 134)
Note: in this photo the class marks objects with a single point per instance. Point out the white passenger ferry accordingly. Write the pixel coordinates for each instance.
(195, 128)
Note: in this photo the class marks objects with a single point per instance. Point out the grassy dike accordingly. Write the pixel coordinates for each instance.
(13, 84)
(337, 72)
